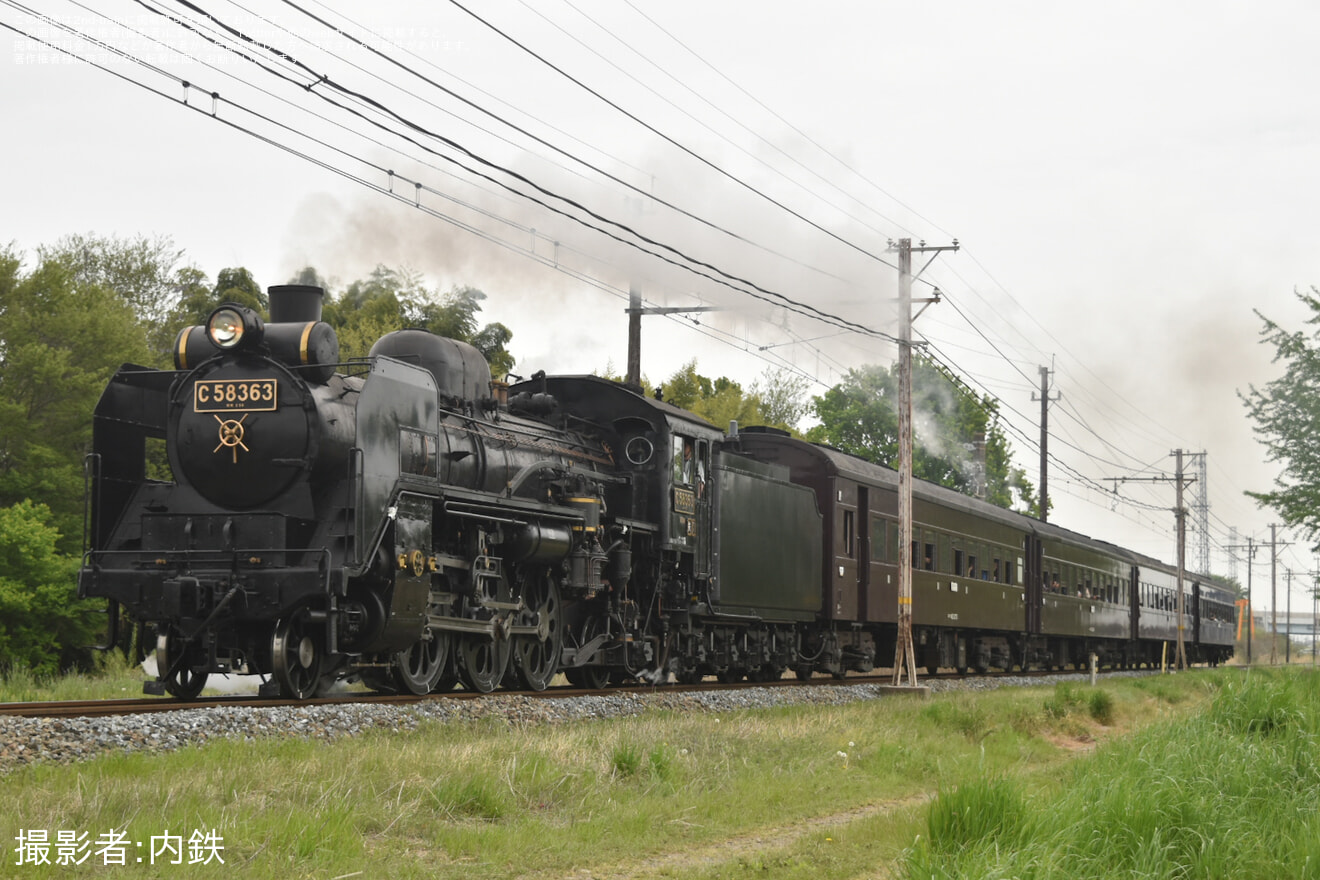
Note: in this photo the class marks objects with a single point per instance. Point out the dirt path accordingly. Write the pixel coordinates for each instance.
(748, 845)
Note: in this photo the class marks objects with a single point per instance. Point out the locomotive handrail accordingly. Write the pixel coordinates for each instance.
(491, 513)
(91, 465)
(355, 489)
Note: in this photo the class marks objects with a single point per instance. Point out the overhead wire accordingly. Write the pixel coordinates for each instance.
(679, 259)
(672, 141)
(645, 194)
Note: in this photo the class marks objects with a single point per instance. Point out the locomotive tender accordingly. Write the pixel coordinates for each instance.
(411, 523)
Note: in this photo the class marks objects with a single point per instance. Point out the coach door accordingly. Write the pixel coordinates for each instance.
(1035, 592)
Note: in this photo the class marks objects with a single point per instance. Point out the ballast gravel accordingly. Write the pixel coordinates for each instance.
(29, 740)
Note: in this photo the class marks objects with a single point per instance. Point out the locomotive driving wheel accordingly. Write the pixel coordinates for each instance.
(183, 682)
(536, 656)
(296, 656)
(481, 660)
(419, 669)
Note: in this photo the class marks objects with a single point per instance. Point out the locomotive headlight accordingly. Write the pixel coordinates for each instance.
(231, 325)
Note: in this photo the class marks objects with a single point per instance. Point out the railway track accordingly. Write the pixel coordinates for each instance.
(150, 705)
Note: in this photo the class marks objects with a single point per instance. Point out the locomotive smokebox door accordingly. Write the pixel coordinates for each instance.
(241, 431)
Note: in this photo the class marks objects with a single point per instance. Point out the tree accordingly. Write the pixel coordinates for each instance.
(860, 416)
(1287, 416)
(775, 398)
(143, 272)
(392, 299)
(148, 275)
(783, 397)
(44, 627)
(60, 342)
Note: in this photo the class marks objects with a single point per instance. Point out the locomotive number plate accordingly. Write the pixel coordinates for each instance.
(685, 501)
(233, 395)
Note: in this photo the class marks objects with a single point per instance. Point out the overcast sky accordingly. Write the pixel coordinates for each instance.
(1128, 181)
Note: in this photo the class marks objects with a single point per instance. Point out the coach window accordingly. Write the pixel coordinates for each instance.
(848, 529)
(958, 561)
(929, 557)
(996, 571)
(877, 539)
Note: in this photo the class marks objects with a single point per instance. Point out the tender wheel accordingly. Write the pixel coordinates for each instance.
(482, 661)
(536, 657)
(183, 683)
(419, 669)
(296, 657)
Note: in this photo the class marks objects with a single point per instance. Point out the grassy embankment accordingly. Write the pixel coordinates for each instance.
(1208, 769)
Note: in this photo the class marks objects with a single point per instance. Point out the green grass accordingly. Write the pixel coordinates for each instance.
(806, 791)
(1228, 792)
(113, 678)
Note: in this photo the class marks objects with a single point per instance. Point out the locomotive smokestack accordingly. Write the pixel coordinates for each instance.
(295, 303)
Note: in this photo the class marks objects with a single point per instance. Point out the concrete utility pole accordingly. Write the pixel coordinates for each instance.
(1287, 624)
(1045, 401)
(1180, 515)
(905, 659)
(1274, 596)
(1315, 613)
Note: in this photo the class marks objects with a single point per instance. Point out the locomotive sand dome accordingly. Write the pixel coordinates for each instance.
(461, 372)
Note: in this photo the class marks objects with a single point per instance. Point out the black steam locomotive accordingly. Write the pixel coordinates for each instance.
(411, 523)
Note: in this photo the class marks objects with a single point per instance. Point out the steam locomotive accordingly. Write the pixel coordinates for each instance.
(410, 523)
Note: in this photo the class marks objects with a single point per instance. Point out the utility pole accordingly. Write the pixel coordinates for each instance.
(1251, 612)
(1045, 401)
(1274, 596)
(1287, 624)
(905, 659)
(635, 312)
(634, 376)
(1315, 613)
(1180, 515)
